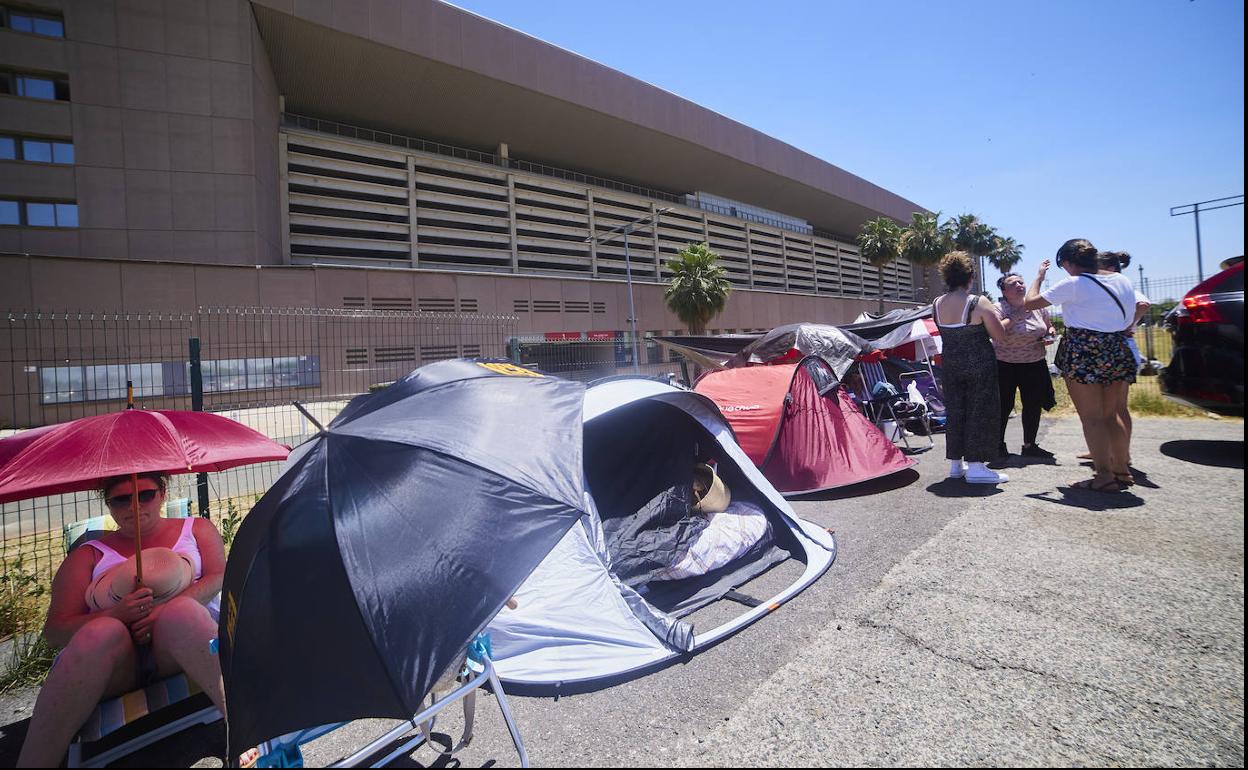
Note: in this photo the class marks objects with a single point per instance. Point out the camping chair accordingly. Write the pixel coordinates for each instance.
(929, 390)
(284, 751)
(122, 725)
(882, 403)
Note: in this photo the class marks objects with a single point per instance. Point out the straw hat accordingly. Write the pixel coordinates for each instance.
(710, 494)
(165, 571)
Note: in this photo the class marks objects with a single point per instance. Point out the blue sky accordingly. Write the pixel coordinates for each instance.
(1050, 120)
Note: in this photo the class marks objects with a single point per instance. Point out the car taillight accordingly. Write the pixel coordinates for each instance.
(1202, 309)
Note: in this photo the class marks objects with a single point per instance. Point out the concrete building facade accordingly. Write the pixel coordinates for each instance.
(167, 156)
(423, 156)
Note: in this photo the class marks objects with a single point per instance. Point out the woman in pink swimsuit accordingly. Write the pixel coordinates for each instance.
(112, 651)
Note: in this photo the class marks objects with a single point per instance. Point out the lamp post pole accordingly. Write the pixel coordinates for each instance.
(624, 230)
(632, 309)
(1194, 209)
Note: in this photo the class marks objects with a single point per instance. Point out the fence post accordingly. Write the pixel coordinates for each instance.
(1148, 369)
(197, 405)
(513, 350)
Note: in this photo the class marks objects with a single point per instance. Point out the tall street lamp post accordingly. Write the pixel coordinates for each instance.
(611, 235)
(1194, 209)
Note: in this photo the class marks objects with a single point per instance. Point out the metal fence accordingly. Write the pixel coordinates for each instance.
(250, 364)
(1151, 336)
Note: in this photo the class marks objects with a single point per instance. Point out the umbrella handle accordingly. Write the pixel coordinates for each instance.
(138, 531)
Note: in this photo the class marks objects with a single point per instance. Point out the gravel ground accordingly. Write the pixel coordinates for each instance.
(1026, 625)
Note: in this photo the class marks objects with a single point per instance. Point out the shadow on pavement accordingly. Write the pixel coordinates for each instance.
(873, 487)
(1219, 454)
(1141, 477)
(959, 488)
(1019, 461)
(1089, 500)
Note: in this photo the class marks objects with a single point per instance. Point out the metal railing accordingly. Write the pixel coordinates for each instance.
(291, 120)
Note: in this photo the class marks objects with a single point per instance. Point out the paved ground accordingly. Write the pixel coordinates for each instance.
(1028, 625)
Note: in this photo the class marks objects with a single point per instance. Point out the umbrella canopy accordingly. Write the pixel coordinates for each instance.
(75, 456)
(392, 541)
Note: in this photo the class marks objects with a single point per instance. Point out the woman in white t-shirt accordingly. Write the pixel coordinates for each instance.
(1098, 306)
(1117, 261)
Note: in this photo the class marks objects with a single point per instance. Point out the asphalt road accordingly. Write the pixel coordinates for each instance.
(960, 625)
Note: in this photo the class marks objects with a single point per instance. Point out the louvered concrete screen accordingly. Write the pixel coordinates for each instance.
(354, 202)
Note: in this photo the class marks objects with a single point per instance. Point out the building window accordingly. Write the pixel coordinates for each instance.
(47, 87)
(38, 213)
(33, 23)
(36, 150)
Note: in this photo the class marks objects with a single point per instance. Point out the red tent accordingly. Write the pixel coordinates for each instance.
(800, 427)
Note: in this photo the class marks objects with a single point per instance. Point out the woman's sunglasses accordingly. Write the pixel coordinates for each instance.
(124, 501)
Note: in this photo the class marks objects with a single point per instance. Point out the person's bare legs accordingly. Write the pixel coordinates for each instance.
(1090, 403)
(1124, 421)
(1119, 421)
(100, 660)
(180, 638)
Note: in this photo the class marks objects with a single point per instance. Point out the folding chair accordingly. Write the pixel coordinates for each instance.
(122, 725)
(881, 402)
(929, 389)
(284, 751)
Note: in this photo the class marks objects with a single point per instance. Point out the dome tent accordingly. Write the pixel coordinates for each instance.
(802, 428)
(577, 622)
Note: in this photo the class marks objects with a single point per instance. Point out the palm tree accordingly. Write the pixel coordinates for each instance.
(1006, 253)
(969, 234)
(699, 287)
(924, 241)
(879, 242)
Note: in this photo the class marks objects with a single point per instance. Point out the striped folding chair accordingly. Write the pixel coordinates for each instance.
(123, 725)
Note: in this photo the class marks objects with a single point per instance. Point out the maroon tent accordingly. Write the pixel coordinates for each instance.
(800, 427)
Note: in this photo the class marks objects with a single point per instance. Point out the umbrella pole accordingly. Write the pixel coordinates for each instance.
(138, 530)
(134, 504)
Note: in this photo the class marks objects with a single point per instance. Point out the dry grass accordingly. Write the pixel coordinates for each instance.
(1145, 400)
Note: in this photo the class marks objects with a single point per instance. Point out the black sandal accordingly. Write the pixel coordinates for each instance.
(1108, 486)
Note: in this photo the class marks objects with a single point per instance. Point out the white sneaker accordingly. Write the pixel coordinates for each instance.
(957, 469)
(978, 473)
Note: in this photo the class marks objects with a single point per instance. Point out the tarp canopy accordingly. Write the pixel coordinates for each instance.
(872, 326)
(802, 428)
(709, 352)
(790, 342)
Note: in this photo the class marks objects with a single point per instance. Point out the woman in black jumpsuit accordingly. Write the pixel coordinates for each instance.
(971, 396)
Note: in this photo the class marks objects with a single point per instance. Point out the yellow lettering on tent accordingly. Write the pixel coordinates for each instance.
(511, 370)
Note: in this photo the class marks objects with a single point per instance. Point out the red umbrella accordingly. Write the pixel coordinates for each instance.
(75, 456)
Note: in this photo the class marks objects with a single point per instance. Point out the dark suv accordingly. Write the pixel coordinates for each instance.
(1207, 368)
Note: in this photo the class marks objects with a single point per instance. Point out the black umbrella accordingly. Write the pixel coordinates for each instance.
(392, 541)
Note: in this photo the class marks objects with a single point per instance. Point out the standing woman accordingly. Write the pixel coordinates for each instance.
(1117, 261)
(1021, 363)
(966, 322)
(1097, 307)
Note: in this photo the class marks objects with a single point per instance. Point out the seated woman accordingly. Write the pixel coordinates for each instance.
(108, 648)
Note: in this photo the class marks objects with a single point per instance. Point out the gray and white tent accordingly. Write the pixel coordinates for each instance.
(578, 620)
